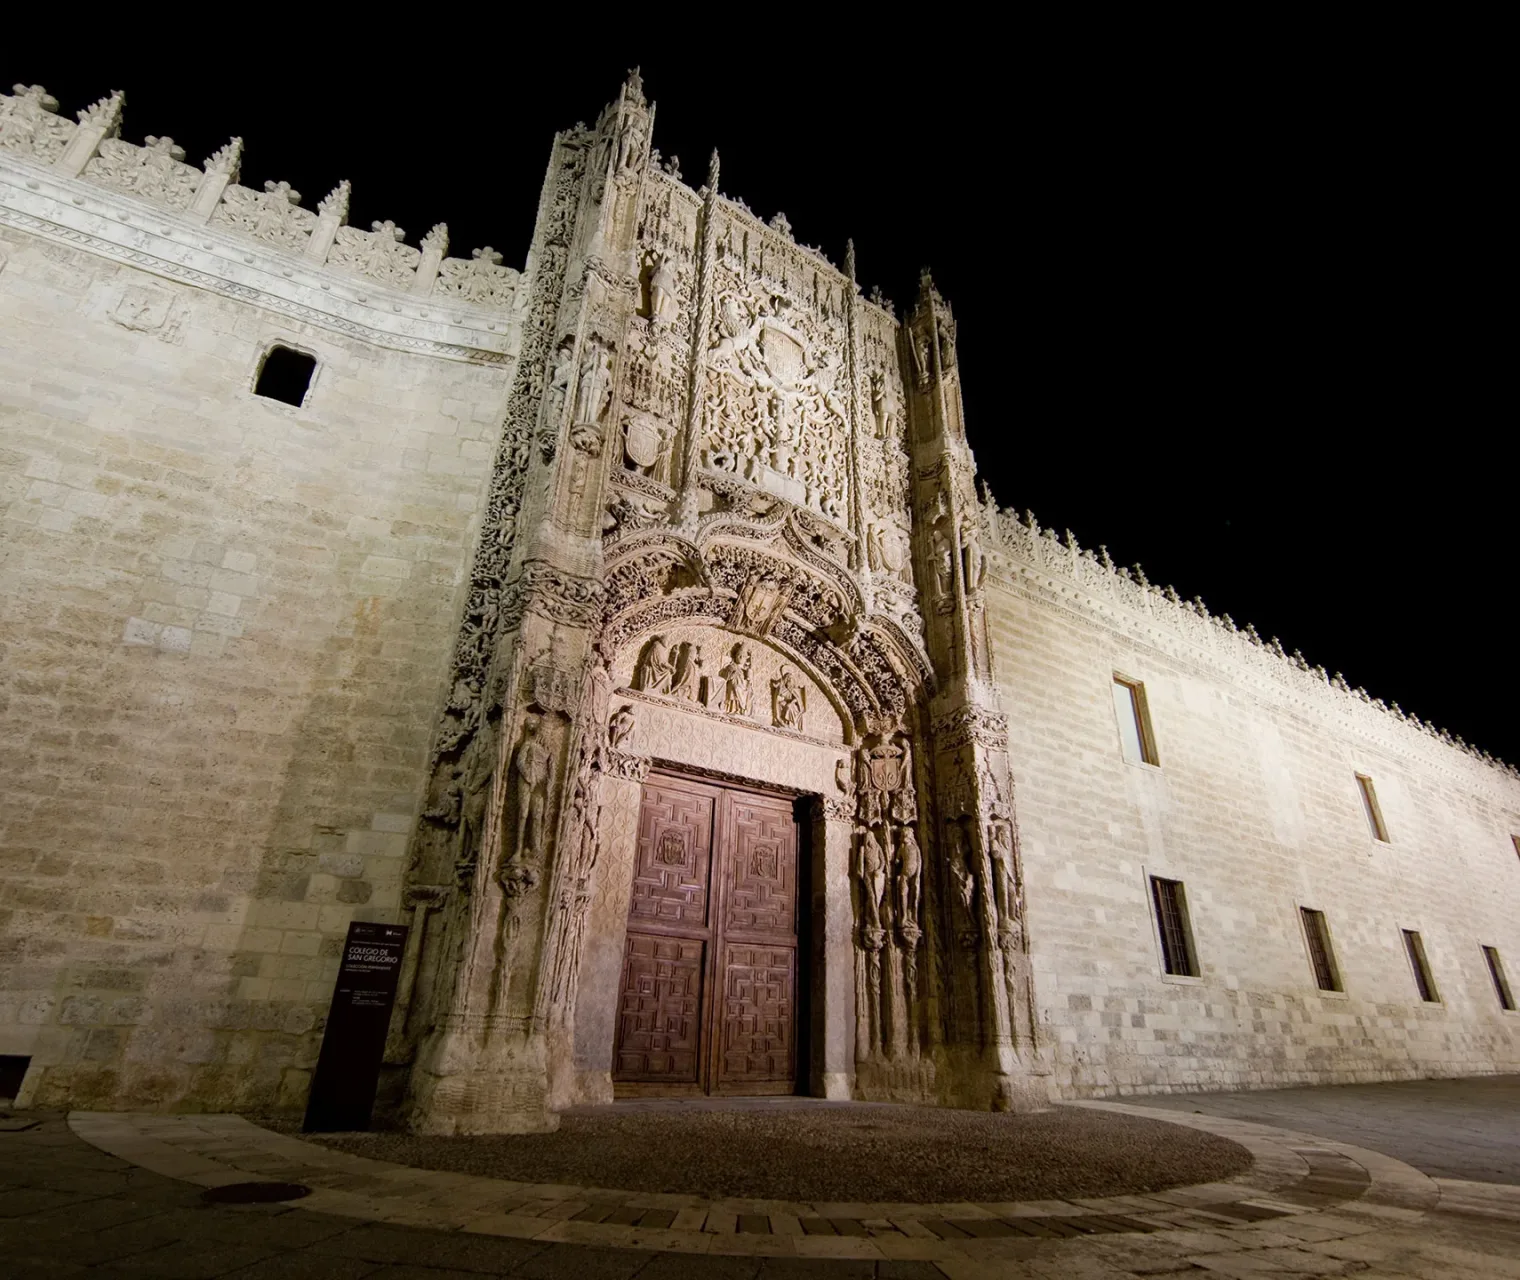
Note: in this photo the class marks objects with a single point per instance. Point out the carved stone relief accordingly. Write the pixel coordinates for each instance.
(713, 669)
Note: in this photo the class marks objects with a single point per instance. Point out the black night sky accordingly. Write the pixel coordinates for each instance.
(1238, 324)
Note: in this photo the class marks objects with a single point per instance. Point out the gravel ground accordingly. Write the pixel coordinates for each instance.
(831, 1152)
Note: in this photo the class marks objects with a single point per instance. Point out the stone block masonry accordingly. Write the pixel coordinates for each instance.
(225, 648)
(1255, 808)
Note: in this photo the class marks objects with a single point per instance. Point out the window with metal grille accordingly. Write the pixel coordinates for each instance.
(1317, 935)
(1135, 738)
(1501, 983)
(1172, 920)
(1421, 967)
(285, 375)
(1370, 804)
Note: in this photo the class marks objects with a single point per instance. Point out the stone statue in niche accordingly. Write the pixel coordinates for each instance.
(961, 873)
(884, 548)
(873, 881)
(735, 677)
(910, 869)
(923, 360)
(593, 389)
(973, 563)
(620, 726)
(1004, 874)
(530, 787)
(788, 701)
(630, 142)
(655, 670)
(879, 403)
(686, 682)
(474, 792)
(560, 373)
(663, 298)
(944, 561)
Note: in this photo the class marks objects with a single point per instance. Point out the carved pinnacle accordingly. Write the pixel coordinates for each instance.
(849, 259)
(712, 172)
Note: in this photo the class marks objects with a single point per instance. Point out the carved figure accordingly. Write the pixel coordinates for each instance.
(735, 677)
(788, 701)
(530, 785)
(879, 402)
(872, 871)
(910, 866)
(960, 867)
(620, 726)
(474, 792)
(944, 561)
(687, 680)
(662, 291)
(559, 377)
(593, 390)
(973, 563)
(630, 142)
(654, 671)
(1004, 875)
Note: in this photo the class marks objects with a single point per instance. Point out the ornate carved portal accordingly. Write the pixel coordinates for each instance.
(731, 530)
(709, 991)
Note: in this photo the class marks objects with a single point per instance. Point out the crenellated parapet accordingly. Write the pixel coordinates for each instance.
(1110, 589)
(211, 195)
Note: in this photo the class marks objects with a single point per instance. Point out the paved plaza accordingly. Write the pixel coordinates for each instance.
(132, 1195)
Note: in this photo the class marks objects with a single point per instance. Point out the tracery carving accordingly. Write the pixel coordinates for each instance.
(379, 253)
(273, 214)
(155, 171)
(30, 124)
(480, 278)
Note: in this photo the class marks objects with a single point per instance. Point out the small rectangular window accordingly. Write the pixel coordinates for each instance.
(1317, 935)
(1176, 933)
(285, 375)
(1370, 804)
(1421, 967)
(1135, 737)
(1501, 983)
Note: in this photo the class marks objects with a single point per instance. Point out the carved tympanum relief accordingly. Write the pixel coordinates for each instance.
(730, 676)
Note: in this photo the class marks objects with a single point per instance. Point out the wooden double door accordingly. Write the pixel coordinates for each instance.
(708, 999)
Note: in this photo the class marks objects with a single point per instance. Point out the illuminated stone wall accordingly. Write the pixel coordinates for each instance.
(1255, 807)
(227, 620)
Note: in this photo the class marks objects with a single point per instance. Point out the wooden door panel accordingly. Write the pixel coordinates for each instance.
(660, 1009)
(758, 1016)
(672, 870)
(761, 860)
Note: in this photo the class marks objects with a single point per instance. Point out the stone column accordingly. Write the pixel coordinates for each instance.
(834, 955)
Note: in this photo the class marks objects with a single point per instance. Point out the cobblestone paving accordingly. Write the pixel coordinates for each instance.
(1468, 1129)
(68, 1208)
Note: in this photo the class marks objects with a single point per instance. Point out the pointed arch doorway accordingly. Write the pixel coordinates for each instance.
(711, 974)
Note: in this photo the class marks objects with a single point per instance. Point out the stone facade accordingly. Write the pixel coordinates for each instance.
(675, 496)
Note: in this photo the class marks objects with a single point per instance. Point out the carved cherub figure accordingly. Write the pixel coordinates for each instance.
(620, 726)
